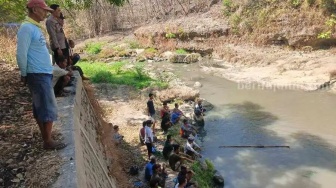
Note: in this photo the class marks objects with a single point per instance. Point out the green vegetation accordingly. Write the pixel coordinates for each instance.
(204, 177)
(117, 66)
(115, 74)
(330, 24)
(310, 2)
(93, 48)
(13, 11)
(296, 3)
(181, 51)
(170, 35)
(134, 45)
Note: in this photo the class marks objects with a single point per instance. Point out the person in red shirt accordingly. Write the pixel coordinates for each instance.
(165, 108)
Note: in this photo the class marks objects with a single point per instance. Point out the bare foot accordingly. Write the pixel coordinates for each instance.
(54, 145)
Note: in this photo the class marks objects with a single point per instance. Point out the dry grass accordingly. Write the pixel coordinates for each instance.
(7, 48)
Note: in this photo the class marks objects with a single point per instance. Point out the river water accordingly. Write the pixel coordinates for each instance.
(243, 116)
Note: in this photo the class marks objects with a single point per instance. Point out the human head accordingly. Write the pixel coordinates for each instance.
(182, 180)
(177, 149)
(38, 9)
(149, 123)
(164, 104)
(152, 159)
(168, 137)
(156, 168)
(57, 10)
(176, 105)
(116, 128)
(191, 139)
(199, 101)
(185, 121)
(71, 43)
(190, 174)
(62, 62)
(183, 170)
(151, 95)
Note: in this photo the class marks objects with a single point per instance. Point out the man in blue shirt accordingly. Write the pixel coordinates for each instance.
(34, 61)
(149, 168)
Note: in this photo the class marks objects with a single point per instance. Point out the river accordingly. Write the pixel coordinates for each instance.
(243, 116)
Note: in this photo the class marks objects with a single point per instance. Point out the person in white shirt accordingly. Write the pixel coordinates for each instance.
(189, 147)
(149, 137)
(61, 77)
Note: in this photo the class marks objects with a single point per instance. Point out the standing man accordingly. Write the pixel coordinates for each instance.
(36, 70)
(149, 138)
(151, 109)
(56, 34)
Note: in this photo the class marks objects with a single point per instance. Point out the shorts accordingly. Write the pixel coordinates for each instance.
(44, 101)
(152, 117)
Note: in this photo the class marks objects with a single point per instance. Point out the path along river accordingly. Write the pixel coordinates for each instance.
(244, 116)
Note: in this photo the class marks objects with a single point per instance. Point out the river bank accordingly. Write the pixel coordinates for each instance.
(125, 106)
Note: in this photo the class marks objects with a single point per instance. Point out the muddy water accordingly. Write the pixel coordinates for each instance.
(245, 116)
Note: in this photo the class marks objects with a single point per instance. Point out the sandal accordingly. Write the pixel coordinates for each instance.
(55, 146)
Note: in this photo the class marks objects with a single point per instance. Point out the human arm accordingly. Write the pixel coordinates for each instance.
(187, 159)
(70, 73)
(194, 143)
(190, 148)
(24, 38)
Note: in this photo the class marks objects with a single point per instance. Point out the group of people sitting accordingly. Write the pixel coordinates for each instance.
(64, 59)
(155, 174)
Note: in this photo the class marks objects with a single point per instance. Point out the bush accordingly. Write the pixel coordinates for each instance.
(181, 51)
(93, 48)
(117, 66)
(204, 177)
(296, 3)
(170, 35)
(134, 45)
(328, 5)
(140, 70)
(310, 2)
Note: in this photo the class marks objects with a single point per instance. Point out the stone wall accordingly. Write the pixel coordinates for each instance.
(85, 164)
(91, 163)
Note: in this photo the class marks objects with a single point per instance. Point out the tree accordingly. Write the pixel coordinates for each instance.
(13, 11)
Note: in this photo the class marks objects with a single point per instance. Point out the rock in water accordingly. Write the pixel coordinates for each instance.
(218, 180)
(197, 85)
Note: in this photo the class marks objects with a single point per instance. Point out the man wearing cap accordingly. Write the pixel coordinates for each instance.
(36, 70)
(56, 34)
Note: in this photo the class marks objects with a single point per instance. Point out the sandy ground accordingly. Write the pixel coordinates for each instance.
(274, 66)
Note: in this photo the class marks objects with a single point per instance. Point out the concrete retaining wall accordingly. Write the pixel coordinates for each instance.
(85, 163)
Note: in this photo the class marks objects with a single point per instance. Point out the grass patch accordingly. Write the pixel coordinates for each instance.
(134, 45)
(115, 74)
(93, 48)
(181, 51)
(203, 177)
